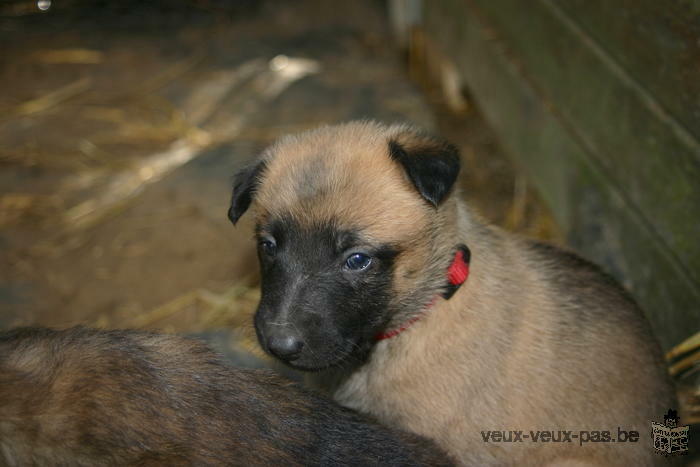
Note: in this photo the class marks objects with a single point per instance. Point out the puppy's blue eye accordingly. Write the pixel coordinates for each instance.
(358, 261)
(268, 246)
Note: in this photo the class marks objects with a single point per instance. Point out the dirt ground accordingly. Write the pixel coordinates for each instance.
(122, 123)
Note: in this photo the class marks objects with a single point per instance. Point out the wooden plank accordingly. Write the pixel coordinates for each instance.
(656, 42)
(599, 220)
(653, 160)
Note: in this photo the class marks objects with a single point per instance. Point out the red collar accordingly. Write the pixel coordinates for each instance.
(457, 274)
(395, 332)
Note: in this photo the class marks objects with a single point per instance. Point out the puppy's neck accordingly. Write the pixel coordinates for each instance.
(456, 275)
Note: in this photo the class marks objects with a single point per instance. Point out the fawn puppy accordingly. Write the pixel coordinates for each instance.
(377, 277)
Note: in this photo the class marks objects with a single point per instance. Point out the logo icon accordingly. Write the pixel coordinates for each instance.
(669, 438)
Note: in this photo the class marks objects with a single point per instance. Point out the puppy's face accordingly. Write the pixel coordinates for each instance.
(345, 220)
(325, 290)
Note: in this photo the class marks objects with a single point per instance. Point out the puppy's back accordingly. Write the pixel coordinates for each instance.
(89, 397)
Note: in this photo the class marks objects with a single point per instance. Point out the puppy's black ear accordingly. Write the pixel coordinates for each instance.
(430, 163)
(244, 184)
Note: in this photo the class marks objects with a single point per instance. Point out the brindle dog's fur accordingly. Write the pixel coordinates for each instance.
(90, 397)
(536, 339)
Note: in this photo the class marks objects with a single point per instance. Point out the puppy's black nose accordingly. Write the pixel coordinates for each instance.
(286, 348)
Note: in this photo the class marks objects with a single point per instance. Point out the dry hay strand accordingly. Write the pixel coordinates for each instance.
(69, 56)
(232, 308)
(148, 119)
(53, 98)
(201, 310)
(688, 345)
(684, 360)
(685, 357)
(167, 76)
